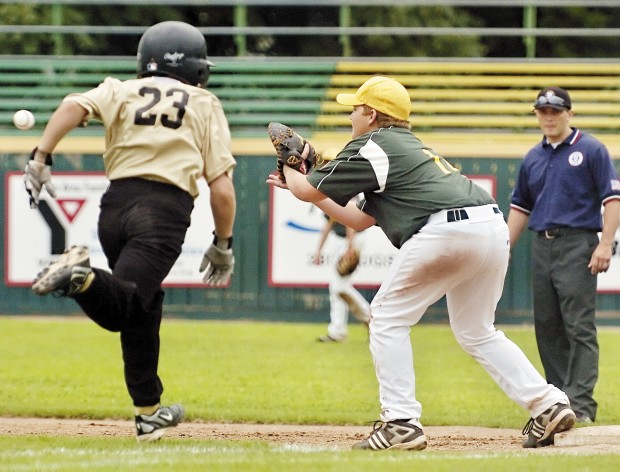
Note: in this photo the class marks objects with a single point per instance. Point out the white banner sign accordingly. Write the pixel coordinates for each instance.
(609, 282)
(34, 238)
(294, 236)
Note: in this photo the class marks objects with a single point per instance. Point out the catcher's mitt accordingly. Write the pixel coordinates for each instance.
(348, 262)
(289, 146)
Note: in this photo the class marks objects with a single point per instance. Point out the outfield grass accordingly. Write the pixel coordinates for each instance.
(259, 372)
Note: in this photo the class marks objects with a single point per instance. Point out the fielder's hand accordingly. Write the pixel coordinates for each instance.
(36, 176)
(218, 264)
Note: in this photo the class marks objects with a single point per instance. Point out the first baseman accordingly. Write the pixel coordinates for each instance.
(452, 241)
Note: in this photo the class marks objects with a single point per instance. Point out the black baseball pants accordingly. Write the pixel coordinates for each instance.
(564, 316)
(141, 229)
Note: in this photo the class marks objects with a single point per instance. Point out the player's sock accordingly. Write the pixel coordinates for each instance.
(146, 410)
(89, 280)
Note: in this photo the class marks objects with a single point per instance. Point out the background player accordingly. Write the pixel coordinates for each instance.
(163, 133)
(343, 297)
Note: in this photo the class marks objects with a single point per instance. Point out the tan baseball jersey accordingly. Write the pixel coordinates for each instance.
(160, 129)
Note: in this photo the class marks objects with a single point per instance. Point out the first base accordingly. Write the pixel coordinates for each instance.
(590, 435)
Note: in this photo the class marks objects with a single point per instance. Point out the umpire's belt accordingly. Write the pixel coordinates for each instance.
(460, 214)
(558, 232)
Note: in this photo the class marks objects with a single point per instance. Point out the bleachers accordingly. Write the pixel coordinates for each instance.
(485, 96)
(253, 93)
(39, 83)
(448, 97)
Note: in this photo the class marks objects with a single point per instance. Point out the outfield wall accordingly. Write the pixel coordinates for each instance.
(250, 294)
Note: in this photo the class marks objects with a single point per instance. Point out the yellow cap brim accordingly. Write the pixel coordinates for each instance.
(348, 99)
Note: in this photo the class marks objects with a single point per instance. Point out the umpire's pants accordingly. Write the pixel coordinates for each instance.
(141, 228)
(564, 315)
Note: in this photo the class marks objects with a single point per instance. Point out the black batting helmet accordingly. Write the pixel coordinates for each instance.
(174, 49)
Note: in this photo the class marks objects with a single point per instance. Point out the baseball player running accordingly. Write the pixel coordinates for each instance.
(452, 241)
(163, 133)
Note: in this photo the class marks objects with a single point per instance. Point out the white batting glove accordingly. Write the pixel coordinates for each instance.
(38, 175)
(218, 264)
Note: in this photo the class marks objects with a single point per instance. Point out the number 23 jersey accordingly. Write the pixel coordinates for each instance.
(160, 129)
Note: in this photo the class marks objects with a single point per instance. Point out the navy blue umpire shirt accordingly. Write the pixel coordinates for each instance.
(566, 186)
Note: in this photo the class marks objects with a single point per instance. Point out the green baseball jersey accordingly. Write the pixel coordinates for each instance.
(160, 129)
(403, 181)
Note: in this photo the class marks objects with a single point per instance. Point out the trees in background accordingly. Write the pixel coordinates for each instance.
(417, 46)
(307, 17)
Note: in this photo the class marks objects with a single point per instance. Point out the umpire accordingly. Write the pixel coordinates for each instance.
(562, 183)
(163, 133)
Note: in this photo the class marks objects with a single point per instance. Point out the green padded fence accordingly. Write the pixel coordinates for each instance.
(249, 295)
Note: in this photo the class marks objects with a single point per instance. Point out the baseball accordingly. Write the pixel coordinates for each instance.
(23, 119)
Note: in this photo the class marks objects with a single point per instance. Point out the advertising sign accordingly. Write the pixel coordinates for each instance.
(34, 238)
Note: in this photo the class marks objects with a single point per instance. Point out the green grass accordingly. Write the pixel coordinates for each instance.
(262, 373)
(108, 454)
(114, 455)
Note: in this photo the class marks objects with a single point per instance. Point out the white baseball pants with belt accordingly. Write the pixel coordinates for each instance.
(464, 255)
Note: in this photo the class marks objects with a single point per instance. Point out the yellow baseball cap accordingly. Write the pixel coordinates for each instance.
(384, 94)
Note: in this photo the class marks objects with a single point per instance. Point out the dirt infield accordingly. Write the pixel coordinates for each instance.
(440, 438)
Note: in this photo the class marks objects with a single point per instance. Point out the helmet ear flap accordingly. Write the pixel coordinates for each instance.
(202, 71)
(205, 76)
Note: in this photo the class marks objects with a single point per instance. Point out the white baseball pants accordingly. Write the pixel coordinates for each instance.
(339, 310)
(466, 260)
